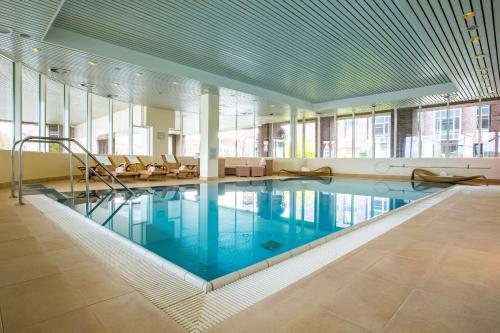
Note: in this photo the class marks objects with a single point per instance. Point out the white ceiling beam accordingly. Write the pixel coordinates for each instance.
(392, 96)
(69, 39)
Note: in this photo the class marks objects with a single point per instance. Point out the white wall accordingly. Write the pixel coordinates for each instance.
(160, 120)
(381, 166)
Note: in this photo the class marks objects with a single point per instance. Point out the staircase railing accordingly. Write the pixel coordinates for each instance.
(61, 142)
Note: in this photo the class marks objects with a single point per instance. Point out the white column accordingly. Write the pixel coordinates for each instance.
(353, 141)
(209, 132)
(293, 132)
(66, 122)
(304, 134)
(42, 114)
(479, 127)
(373, 131)
(395, 134)
(180, 144)
(318, 136)
(335, 135)
(419, 131)
(130, 128)
(89, 122)
(18, 100)
(110, 129)
(447, 151)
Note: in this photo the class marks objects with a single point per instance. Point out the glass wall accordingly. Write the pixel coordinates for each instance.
(100, 124)
(30, 112)
(363, 136)
(121, 128)
(191, 134)
(78, 117)
(310, 138)
(327, 137)
(6, 103)
(344, 137)
(383, 135)
(140, 132)
(54, 114)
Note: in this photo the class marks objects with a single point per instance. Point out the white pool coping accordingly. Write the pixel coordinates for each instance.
(197, 304)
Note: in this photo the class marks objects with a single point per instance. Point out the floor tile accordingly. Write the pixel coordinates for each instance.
(13, 231)
(34, 301)
(20, 247)
(25, 268)
(426, 312)
(369, 302)
(78, 321)
(405, 271)
(133, 313)
(97, 283)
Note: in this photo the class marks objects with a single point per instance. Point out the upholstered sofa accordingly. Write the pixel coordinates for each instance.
(257, 166)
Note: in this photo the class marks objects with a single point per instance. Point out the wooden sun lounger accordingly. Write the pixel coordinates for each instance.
(429, 176)
(172, 166)
(323, 171)
(135, 164)
(110, 164)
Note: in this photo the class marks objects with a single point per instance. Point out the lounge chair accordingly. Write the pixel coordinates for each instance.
(320, 172)
(429, 176)
(145, 171)
(118, 170)
(172, 166)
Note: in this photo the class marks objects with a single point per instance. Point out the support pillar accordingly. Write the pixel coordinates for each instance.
(18, 100)
(209, 136)
(293, 132)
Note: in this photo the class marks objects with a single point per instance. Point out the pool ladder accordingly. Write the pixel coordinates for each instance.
(65, 143)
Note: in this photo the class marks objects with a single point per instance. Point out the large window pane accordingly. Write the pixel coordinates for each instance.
(54, 113)
(310, 141)
(327, 137)
(191, 134)
(245, 139)
(140, 140)
(30, 107)
(363, 136)
(6, 103)
(227, 132)
(344, 137)
(121, 128)
(100, 124)
(78, 117)
(281, 139)
(407, 143)
(383, 135)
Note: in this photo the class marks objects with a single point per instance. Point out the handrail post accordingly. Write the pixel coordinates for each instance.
(12, 172)
(20, 174)
(70, 153)
(87, 194)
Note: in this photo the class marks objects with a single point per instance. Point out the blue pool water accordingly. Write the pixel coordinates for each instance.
(214, 229)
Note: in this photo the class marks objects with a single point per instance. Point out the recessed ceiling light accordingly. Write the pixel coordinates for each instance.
(472, 27)
(37, 49)
(87, 85)
(272, 105)
(175, 82)
(5, 30)
(139, 74)
(205, 91)
(475, 39)
(116, 84)
(92, 63)
(480, 56)
(469, 15)
(58, 70)
(483, 70)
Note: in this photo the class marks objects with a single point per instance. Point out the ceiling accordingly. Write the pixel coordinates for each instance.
(312, 51)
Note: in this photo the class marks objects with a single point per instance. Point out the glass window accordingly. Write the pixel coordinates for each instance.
(6, 103)
(327, 139)
(140, 140)
(310, 139)
(191, 134)
(54, 114)
(363, 136)
(344, 136)
(78, 117)
(245, 139)
(227, 132)
(281, 139)
(30, 107)
(100, 124)
(407, 141)
(121, 128)
(139, 115)
(483, 118)
(383, 135)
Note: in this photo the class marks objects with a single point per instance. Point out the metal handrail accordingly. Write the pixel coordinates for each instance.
(60, 141)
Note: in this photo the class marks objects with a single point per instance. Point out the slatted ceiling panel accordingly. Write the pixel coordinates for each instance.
(18, 15)
(446, 28)
(303, 49)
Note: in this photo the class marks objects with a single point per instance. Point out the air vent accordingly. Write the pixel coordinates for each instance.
(87, 85)
(57, 70)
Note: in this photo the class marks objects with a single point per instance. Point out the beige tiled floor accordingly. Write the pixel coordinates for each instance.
(439, 272)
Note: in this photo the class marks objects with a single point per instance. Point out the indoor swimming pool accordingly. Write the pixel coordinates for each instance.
(214, 229)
